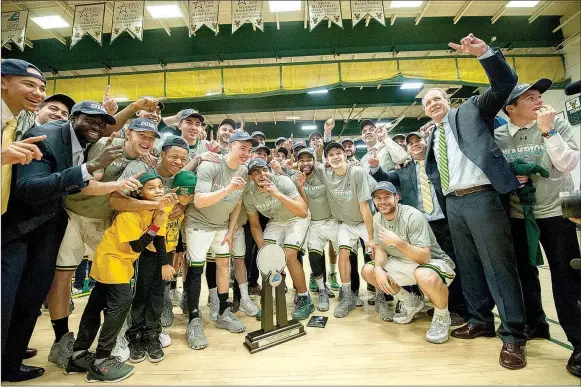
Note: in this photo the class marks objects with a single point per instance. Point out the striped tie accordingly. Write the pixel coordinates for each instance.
(425, 188)
(443, 154)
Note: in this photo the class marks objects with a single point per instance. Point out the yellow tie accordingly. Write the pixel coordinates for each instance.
(443, 162)
(425, 189)
(7, 139)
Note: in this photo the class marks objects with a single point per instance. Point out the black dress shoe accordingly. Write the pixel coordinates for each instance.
(24, 373)
(574, 363)
(538, 332)
(30, 352)
(470, 331)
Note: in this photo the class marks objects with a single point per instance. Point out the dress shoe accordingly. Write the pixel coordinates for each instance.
(471, 331)
(574, 363)
(539, 332)
(513, 356)
(24, 373)
(30, 352)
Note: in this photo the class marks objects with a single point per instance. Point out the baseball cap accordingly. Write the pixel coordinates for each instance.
(186, 181)
(348, 139)
(91, 108)
(364, 123)
(242, 136)
(308, 151)
(191, 113)
(279, 140)
(147, 176)
(418, 134)
(399, 135)
(21, 68)
(315, 134)
(384, 186)
(257, 133)
(256, 162)
(299, 144)
(228, 121)
(64, 99)
(333, 145)
(283, 150)
(541, 85)
(262, 147)
(143, 125)
(175, 141)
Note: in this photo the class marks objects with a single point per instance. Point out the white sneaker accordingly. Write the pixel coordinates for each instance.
(214, 310)
(195, 335)
(408, 309)
(228, 321)
(164, 339)
(438, 332)
(121, 349)
(76, 291)
(248, 307)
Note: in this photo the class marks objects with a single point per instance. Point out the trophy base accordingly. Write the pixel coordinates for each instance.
(259, 340)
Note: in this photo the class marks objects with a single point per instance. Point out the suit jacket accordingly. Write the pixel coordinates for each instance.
(473, 127)
(406, 181)
(39, 188)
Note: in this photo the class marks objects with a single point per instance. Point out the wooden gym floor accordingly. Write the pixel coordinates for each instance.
(358, 349)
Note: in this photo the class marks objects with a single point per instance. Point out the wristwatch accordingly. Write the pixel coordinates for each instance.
(550, 133)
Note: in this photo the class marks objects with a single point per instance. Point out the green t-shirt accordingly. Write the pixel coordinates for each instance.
(529, 145)
(213, 177)
(97, 207)
(346, 192)
(263, 202)
(317, 197)
(412, 226)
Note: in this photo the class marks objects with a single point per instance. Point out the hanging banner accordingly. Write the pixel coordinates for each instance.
(88, 21)
(127, 16)
(203, 13)
(319, 10)
(14, 28)
(245, 11)
(361, 9)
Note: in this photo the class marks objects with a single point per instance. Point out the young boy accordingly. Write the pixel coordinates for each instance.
(112, 270)
(154, 269)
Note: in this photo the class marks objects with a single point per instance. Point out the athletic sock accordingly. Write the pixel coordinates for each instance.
(244, 291)
(173, 284)
(223, 297)
(305, 294)
(193, 314)
(60, 327)
(214, 296)
(320, 283)
(441, 312)
(332, 268)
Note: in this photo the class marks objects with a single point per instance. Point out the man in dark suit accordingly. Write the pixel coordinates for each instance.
(416, 190)
(35, 222)
(465, 164)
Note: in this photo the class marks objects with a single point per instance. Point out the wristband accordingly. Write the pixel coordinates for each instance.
(550, 133)
(153, 228)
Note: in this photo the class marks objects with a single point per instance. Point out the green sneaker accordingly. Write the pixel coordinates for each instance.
(110, 370)
(333, 281)
(313, 284)
(303, 308)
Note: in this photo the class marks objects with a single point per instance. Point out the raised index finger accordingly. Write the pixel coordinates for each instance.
(455, 46)
(107, 94)
(110, 139)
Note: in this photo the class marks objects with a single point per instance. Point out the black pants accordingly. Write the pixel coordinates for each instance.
(28, 267)
(252, 251)
(456, 302)
(115, 301)
(486, 262)
(559, 240)
(147, 304)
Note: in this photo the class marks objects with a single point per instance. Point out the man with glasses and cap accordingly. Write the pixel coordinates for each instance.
(537, 136)
(407, 253)
(35, 223)
(89, 216)
(259, 136)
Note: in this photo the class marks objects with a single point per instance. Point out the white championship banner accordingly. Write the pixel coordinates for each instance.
(88, 21)
(245, 11)
(127, 16)
(14, 28)
(363, 9)
(203, 13)
(319, 10)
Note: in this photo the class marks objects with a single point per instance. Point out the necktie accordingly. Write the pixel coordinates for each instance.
(443, 154)
(7, 139)
(425, 190)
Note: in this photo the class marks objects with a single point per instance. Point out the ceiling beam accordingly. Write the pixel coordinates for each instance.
(539, 11)
(499, 13)
(392, 19)
(184, 11)
(462, 11)
(28, 43)
(567, 21)
(421, 15)
(68, 10)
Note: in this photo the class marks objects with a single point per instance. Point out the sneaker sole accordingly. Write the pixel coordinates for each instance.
(299, 318)
(439, 341)
(152, 360)
(135, 361)
(75, 371)
(96, 380)
(229, 330)
(247, 313)
(323, 308)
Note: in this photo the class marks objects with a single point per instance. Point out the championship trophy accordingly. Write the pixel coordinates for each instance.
(271, 261)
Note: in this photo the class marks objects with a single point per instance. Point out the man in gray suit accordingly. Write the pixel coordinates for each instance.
(467, 166)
